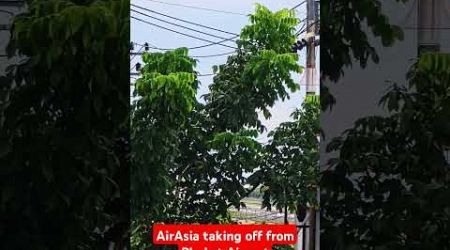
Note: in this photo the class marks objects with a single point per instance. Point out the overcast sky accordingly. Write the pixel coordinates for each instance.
(141, 33)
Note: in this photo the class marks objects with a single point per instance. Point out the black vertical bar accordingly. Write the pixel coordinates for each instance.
(303, 238)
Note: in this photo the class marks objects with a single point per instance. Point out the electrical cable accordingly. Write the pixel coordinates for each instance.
(182, 20)
(209, 44)
(210, 74)
(215, 10)
(152, 46)
(194, 56)
(298, 5)
(142, 47)
(132, 74)
(178, 25)
(214, 55)
(205, 45)
(301, 30)
(181, 33)
(304, 29)
(200, 8)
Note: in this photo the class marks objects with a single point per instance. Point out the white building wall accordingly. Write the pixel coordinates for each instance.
(8, 9)
(359, 91)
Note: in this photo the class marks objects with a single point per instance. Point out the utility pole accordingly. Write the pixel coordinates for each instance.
(311, 241)
(306, 213)
(310, 47)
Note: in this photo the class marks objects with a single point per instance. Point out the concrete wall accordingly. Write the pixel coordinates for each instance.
(8, 9)
(358, 92)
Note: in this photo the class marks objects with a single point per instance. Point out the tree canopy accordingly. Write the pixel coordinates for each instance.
(289, 175)
(193, 160)
(64, 125)
(389, 186)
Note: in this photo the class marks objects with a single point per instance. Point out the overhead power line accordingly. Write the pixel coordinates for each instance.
(214, 55)
(301, 30)
(151, 46)
(298, 5)
(134, 74)
(200, 8)
(304, 28)
(181, 33)
(303, 21)
(139, 52)
(200, 46)
(142, 47)
(215, 10)
(182, 20)
(178, 25)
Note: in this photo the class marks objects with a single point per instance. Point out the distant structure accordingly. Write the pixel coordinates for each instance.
(425, 24)
(8, 10)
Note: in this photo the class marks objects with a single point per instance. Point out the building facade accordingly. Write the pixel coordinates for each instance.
(8, 9)
(426, 27)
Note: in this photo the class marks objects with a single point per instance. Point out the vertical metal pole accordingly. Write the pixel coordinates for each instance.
(317, 224)
(308, 241)
(303, 238)
(316, 230)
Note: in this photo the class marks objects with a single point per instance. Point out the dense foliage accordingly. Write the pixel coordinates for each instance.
(258, 75)
(64, 127)
(389, 187)
(167, 92)
(289, 176)
(192, 160)
(250, 81)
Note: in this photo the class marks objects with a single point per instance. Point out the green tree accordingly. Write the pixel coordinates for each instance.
(166, 94)
(166, 91)
(389, 187)
(258, 75)
(215, 179)
(219, 147)
(289, 177)
(63, 127)
(203, 155)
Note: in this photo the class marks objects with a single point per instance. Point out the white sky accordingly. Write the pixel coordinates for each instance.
(141, 33)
